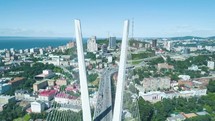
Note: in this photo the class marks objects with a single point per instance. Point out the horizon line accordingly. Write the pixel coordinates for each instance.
(102, 37)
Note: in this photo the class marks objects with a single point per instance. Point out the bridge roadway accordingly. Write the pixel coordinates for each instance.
(103, 110)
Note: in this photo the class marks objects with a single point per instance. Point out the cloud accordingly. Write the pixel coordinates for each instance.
(186, 30)
(29, 32)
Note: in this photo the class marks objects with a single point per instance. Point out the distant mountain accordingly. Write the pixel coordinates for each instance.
(186, 37)
(212, 37)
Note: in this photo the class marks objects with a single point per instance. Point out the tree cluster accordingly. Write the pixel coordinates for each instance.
(92, 77)
(29, 72)
(11, 111)
(161, 110)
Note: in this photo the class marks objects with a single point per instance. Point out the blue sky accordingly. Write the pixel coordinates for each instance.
(152, 18)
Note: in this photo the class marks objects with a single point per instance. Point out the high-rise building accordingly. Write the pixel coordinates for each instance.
(41, 51)
(12, 51)
(32, 50)
(92, 45)
(7, 54)
(186, 50)
(20, 51)
(154, 43)
(168, 45)
(104, 48)
(112, 43)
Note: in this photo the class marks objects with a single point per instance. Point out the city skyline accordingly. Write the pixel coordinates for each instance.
(54, 18)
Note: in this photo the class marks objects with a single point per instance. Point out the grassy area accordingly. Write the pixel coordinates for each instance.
(27, 117)
(135, 62)
(96, 82)
(142, 55)
(18, 119)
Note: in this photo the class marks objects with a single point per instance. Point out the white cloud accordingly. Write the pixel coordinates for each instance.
(28, 32)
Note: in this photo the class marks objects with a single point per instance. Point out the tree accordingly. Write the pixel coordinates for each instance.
(92, 77)
(11, 111)
(62, 88)
(211, 86)
(91, 55)
(145, 109)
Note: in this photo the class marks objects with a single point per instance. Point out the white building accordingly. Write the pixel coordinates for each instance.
(199, 47)
(154, 96)
(211, 65)
(67, 100)
(209, 48)
(6, 99)
(170, 94)
(37, 107)
(112, 43)
(32, 50)
(7, 54)
(26, 50)
(193, 68)
(41, 51)
(20, 51)
(12, 50)
(45, 75)
(184, 77)
(24, 95)
(92, 45)
(192, 93)
(155, 84)
(199, 92)
(110, 59)
(168, 45)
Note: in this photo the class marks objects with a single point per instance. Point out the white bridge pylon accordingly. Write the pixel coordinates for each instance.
(86, 112)
(117, 114)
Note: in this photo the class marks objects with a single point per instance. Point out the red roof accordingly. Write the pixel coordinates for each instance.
(48, 92)
(74, 87)
(64, 95)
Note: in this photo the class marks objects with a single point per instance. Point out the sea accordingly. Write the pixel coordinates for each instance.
(32, 42)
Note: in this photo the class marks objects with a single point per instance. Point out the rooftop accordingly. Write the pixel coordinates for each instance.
(46, 73)
(6, 96)
(72, 88)
(202, 113)
(47, 92)
(189, 115)
(64, 95)
(38, 82)
(16, 79)
(22, 91)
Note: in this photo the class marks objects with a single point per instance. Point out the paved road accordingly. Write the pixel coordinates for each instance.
(103, 110)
